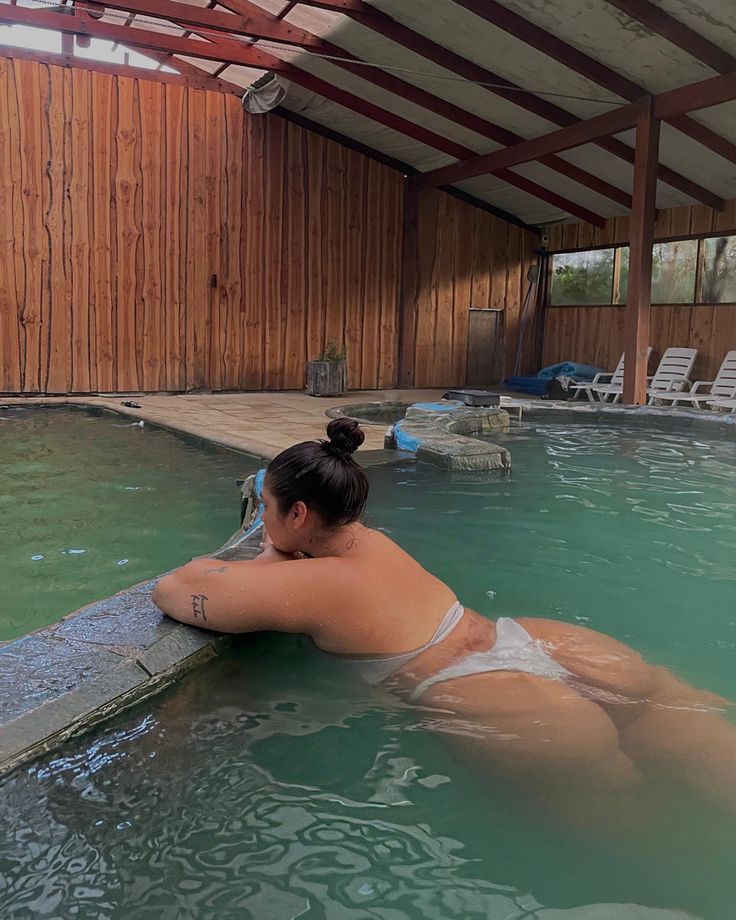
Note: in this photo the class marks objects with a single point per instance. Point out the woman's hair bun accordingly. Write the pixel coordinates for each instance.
(345, 435)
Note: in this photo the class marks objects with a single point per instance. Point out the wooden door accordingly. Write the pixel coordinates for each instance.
(485, 348)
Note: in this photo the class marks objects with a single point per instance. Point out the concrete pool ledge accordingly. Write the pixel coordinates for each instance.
(66, 678)
(257, 423)
(715, 424)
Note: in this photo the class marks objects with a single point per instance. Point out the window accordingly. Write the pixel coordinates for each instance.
(683, 272)
(674, 267)
(582, 278)
(719, 270)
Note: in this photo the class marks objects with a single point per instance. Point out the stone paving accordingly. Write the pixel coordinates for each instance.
(257, 423)
(68, 677)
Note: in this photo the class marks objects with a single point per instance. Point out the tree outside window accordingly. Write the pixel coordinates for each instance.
(582, 278)
(719, 270)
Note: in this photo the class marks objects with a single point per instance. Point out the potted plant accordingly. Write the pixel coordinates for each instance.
(326, 375)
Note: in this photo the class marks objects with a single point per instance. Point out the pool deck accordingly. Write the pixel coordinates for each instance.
(262, 424)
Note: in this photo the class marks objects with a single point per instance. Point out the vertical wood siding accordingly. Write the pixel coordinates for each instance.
(465, 257)
(154, 237)
(595, 335)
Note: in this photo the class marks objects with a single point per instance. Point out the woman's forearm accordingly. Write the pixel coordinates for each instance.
(177, 596)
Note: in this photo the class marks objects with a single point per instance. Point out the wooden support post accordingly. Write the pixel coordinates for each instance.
(408, 294)
(639, 300)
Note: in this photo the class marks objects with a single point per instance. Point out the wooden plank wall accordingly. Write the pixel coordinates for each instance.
(466, 257)
(595, 335)
(153, 237)
(671, 223)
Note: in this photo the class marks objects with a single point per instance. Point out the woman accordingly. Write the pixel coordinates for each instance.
(531, 699)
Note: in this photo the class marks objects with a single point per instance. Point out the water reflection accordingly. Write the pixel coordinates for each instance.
(247, 792)
(269, 785)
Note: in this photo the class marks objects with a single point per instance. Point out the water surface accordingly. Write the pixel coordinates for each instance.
(270, 785)
(90, 504)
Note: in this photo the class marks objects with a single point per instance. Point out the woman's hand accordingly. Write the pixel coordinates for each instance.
(269, 553)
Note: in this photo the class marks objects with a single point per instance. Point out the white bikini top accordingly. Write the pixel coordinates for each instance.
(376, 668)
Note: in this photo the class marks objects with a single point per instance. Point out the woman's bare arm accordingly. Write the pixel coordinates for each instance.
(287, 596)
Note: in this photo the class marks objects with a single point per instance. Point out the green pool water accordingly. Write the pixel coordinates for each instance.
(90, 504)
(269, 784)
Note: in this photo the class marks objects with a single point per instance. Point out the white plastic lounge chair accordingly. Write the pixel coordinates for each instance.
(614, 386)
(727, 404)
(673, 373)
(707, 392)
(616, 378)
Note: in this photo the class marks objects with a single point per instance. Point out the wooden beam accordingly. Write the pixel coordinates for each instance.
(695, 96)
(408, 289)
(590, 68)
(389, 28)
(257, 23)
(662, 23)
(252, 21)
(563, 139)
(639, 297)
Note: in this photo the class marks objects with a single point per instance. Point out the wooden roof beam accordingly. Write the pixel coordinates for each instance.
(506, 89)
(703, 94)
(583, 132)
(662, 23)
(591, 69)
(235, 52)
(255, 22)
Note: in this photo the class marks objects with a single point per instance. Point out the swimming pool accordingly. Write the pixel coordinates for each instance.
(268, 784)
(91, 503)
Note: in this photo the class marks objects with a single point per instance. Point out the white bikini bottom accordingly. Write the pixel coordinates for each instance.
(513, 650)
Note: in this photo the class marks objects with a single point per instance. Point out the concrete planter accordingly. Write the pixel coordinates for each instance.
(326, 378)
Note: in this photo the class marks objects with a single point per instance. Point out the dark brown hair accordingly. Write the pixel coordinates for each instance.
(323, 475)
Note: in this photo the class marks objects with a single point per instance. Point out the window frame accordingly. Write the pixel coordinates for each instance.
(615, 290)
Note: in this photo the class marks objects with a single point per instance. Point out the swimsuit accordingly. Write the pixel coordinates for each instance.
(513, 650)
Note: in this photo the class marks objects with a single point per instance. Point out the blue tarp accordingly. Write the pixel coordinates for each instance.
(532, 385)
(581, 372)
(539, 384)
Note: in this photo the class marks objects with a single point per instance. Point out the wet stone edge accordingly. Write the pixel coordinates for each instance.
(67, 678)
